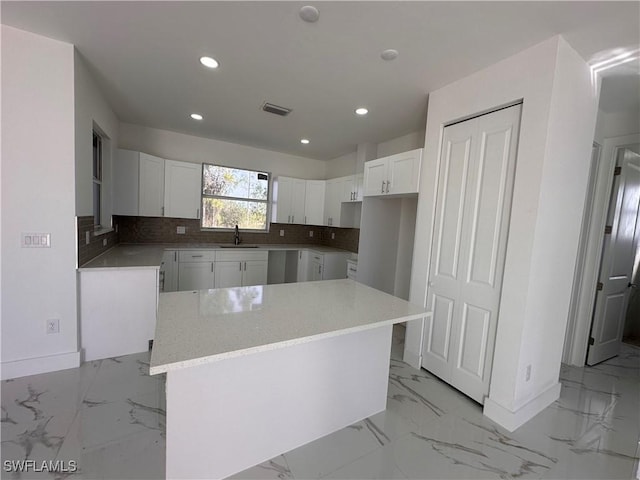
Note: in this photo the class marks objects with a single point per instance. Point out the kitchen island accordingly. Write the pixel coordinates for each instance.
(253, 372)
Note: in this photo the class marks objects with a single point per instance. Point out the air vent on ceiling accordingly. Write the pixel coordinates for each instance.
(276, 109)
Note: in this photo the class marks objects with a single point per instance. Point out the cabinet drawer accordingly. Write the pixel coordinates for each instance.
(197, 256)
(241, 255)
(316, 257)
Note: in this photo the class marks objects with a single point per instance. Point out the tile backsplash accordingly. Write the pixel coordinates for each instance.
(164, 230)
(95, 247)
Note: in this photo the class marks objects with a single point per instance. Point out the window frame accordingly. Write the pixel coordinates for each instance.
(204, 196)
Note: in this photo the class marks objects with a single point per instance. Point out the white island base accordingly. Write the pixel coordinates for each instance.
(253, 372)
(227, 416)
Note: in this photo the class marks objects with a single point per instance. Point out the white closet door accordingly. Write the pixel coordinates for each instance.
(470, 235)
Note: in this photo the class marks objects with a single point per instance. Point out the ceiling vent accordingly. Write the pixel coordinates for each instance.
(276, 109)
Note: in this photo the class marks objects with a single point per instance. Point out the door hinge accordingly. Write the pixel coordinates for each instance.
(600, 286)
(608, 229)
(591, 341)
(617, 171)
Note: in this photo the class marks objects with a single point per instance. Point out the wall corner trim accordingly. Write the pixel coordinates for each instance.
(511, 420)
(33, 366)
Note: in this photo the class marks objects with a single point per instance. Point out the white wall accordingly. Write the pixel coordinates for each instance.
(188, 148)
(620, 124)
(37, 196)
(92, 109)
(341, 166)
(557, 128)
(405, 143)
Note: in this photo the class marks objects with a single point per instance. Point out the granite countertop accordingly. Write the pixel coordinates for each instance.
(149, 255)
(198, 327)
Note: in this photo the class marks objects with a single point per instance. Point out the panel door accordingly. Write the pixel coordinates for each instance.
(314, 202)
(619, 252)
(375, 177)
(255, 272)
(282, 202)
(404, 172)
(298, 199)
(151, 191)
(228, 274)
(182, 189)
(470, 238)
(196, 276)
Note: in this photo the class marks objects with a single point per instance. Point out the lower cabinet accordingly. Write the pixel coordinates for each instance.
(169, 271)
(241, 268)
(196, 276)
(303, 266)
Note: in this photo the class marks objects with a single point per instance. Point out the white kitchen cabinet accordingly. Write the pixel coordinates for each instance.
(169, 271)
(333, 201)
(314, 202)
(394, 175)
(352, 188)
(196, 269)
(241, 268)
(303, 266)
(126, 176)
(316, 265)
(151, 186)
(327, 265)
(289, 200)
(182, 188)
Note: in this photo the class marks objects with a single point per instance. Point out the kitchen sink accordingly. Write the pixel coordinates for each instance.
(239, 246)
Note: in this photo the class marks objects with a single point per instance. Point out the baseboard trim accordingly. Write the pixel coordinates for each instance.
(412, 358)
(33, 366)
(511, 420)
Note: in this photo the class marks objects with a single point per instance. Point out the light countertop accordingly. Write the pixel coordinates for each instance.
(205, 326)
(148, 255)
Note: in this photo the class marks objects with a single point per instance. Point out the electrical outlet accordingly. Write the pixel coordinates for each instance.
(311, 233)
(333, 236)
(87, 238)
(53, 325)
(181, 230)
(282, 233)
(527, 375)
(104, 242)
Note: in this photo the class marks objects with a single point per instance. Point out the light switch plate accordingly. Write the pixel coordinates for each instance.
(35, 240)
(87, 238)
(333, 236)
(311, 233)
(282, 233)
(181, 230)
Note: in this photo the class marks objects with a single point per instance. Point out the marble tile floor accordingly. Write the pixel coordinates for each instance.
(108, 416)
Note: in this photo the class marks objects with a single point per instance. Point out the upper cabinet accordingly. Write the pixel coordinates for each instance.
(149, 186)
(182, 187)
(333, 198)
(289, 200)
(394, 175)
(314, 202)
(151, 190)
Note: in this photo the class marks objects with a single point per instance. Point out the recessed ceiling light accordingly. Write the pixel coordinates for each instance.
(304, 141)
(389, 54)
(209, 62)
(309, 14)
(361, 111)
(196, 116)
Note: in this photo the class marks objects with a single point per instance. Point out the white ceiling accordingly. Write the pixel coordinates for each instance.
(145, 58)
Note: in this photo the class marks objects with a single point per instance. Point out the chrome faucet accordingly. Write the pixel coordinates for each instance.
(236, 237)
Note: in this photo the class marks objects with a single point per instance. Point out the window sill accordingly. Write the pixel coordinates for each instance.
(102, 231)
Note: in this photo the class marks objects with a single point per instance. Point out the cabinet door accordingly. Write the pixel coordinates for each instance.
(255, 273)
(182, 188)
(404, 172)
(169, 271)
(303, 266)
(228, 274)
(316, 271)
(298, 200)
(333, 195)
(348, 189)
(126, 175)
(314, 202)
(375, 177)
(282, 200)
(195, 276)
(358, 186)
(151, 193)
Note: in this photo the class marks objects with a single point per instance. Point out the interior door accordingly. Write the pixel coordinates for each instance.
(619, 251)
(470, 236)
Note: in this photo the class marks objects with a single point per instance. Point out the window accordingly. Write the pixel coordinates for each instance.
(232, 196)
(97, 179)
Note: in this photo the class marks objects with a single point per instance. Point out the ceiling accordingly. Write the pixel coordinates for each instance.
(144, 56)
